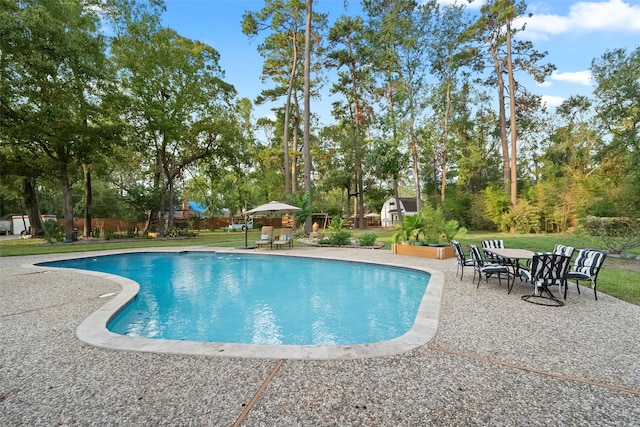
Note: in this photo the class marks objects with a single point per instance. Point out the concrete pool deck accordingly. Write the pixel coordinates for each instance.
(495, 360)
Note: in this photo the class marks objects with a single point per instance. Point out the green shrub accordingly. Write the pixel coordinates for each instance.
(618, 233)
(497, 206)
(525, 218)
(337, 224)
(451, 229)
(339, 238)
(367, 239)
(300, 233)
(53, 231)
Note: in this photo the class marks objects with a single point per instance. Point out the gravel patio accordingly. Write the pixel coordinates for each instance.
(495, 360)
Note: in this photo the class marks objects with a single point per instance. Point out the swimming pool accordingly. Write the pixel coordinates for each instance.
(272, 303)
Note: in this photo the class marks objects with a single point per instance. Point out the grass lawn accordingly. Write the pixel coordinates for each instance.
(620, 277)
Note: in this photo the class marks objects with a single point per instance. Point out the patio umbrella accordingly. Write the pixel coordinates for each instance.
(271, 208)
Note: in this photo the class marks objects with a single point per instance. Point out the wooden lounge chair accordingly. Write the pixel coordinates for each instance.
(285, 239)
(266, 238)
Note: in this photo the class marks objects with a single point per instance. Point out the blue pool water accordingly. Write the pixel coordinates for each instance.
(254, 299)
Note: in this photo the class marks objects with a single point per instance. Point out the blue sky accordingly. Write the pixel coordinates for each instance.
(573, 33)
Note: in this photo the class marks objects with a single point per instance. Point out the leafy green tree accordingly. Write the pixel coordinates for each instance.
(284, 22)
(179, 105)
(448, 54)
(399, 32)
(387, 162)
(348, 48)
(617, 77)
(493, 33)
(54, 75)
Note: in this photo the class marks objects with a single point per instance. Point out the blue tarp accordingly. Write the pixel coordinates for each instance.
(196, 207)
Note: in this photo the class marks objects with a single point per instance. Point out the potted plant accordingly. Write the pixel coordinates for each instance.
(452, 229)
(428, 222)
(433, 223)
(410, 228)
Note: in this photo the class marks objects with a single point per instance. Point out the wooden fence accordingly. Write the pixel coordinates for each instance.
(122, 226)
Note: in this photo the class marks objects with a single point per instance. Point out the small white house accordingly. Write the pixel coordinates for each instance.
(389, 212)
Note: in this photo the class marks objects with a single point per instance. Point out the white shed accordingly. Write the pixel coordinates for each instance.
(389, 212)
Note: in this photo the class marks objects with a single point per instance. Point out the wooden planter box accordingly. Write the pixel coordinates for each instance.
(435, 252)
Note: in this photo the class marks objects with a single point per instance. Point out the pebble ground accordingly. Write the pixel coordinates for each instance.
(495, 360)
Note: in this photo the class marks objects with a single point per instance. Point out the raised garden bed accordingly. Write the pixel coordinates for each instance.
(435, 252)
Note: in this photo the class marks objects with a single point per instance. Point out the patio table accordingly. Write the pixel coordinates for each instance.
(511, 258)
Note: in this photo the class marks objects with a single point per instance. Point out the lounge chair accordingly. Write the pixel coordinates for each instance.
(285, 239)
(266, 238)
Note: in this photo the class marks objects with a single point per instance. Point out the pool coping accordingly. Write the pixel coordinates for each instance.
(93, 330)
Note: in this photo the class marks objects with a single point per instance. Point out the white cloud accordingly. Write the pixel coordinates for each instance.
(586, 16)
(545, 83)
(552, 101)
(578, 77)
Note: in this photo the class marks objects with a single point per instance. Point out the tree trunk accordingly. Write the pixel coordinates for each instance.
(307, 112)
(414, 151)
(506, 164)
(294, 149)
(88, 200)
(396, 189)
(170, 226)
(360, 197)
(512, 110)
(67, 206)
(287, 112)
(31, 205)
(445, 138)
(396, 195)
(161, 211)
(147, 226)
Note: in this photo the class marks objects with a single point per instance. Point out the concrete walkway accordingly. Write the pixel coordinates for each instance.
(495, 360)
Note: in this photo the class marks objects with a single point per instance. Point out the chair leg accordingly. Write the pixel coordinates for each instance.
(594, 284)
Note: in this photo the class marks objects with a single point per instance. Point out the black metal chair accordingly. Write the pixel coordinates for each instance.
(563, 250)
(547, 269)
(463, 261)
(586, 267)
(492, 244)
(488, 268)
